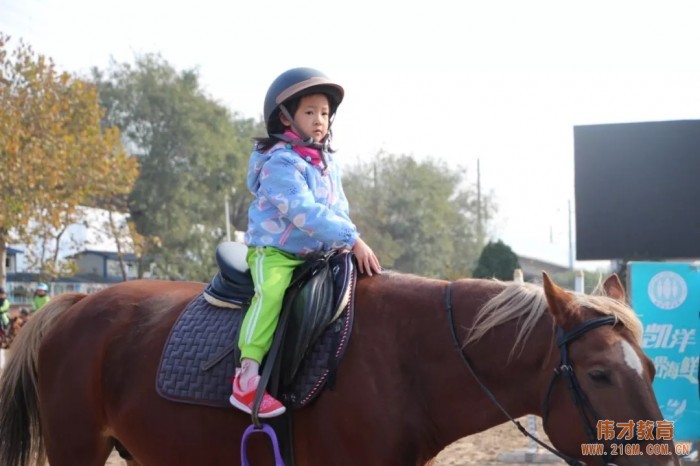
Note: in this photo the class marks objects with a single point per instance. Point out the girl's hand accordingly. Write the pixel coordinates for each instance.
(367, 262)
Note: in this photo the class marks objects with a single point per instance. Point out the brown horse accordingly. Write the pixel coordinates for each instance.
(8, 334)
(81, 379)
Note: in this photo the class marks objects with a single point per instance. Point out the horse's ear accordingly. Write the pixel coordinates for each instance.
(613, 288)
(558, 300)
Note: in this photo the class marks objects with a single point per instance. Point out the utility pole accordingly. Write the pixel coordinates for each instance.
(571, 241)
(479, 220)
(228, 218)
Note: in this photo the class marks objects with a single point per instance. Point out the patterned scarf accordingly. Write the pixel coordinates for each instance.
(311, 155)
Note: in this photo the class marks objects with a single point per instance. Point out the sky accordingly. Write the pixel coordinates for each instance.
(498, 84)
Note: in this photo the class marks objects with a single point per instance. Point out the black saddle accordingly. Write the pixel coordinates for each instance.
(313, 331)
(318, 293)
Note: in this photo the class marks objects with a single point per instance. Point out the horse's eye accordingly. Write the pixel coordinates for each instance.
(599, 375)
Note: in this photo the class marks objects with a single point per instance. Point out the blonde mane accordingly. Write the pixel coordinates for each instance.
(526, 303)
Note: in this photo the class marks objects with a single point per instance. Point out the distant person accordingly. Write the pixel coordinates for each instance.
(298, 209)
(41, 296)
(4, 308)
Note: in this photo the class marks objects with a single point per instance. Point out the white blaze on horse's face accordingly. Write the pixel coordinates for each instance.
(631, 358)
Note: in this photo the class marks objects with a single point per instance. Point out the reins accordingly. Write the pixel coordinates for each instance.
(579, 398)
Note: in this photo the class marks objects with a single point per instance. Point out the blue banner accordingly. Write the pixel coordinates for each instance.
(666, 296)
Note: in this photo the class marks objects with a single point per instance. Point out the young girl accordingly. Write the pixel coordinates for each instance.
(298, 208)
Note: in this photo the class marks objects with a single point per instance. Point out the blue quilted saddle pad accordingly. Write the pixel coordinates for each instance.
(199, 357)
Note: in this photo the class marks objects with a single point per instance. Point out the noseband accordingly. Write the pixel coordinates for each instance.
(565, 369)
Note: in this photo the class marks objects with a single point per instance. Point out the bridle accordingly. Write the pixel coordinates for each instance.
(565, 369)
(583, 405)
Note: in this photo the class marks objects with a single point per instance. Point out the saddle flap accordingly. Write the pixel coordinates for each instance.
(310, 310)
(316, 304)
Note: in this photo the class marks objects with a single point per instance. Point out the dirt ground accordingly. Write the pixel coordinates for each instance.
(484, 448)
(480, 449)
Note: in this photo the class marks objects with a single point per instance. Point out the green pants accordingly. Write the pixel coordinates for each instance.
(272, 271)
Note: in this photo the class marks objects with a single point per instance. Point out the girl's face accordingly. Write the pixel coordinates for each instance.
(312, 116)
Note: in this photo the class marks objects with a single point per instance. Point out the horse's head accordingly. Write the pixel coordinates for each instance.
(601, 392)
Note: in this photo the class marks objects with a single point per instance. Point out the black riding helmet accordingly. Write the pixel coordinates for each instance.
(294, 83)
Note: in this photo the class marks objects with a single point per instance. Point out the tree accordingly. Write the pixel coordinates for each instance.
(419, 217)
(192, 153)
(497, 260)
(54, 152)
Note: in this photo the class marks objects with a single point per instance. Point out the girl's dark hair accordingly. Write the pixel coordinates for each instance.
(263, 144)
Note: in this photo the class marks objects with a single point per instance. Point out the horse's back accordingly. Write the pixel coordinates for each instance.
(121, 311)
(118, 316)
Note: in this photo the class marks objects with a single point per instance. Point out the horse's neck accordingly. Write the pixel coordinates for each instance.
(403, 337)
(456, 397)
(403, 340)
(515, 376)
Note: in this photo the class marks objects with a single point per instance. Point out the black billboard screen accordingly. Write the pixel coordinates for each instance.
(637, 190)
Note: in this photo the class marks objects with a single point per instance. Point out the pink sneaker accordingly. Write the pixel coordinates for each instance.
(243, 400)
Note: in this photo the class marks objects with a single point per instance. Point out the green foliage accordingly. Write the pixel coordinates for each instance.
(418, 217)
(192, 152)
(497, 260)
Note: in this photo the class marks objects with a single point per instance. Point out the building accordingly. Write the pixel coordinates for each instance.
(96, 270)
(89, 243)
(106, 264)
(11, 259)
(21, 286)
(532, 268)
